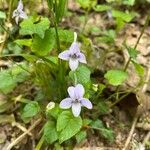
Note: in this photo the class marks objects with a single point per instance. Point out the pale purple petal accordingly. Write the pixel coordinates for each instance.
(20, 5)
(23, 15)
(85, 102)
(74, 48)
(76, 109)
(71, 92)
(17, 19)
(73, 64)
(79, 91)
(64, 55)
(82, 58)
(66, 103)
(14, 13)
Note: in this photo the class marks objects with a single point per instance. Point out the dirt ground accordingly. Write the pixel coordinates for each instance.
(122, 116)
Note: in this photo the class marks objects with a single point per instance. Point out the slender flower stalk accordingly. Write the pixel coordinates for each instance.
(76, 100)
(73, 55)
(19, 13)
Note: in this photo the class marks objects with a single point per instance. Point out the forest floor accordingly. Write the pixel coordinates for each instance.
(122, 117)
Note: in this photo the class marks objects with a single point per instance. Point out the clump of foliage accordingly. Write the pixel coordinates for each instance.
(41, 45)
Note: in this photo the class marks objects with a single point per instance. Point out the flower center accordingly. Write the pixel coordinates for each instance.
(74, 56)
(76, 101)
(17, 13)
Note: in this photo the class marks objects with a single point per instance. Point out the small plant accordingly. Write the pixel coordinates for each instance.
(46, 81)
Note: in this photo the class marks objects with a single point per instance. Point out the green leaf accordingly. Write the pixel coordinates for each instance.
(9, 78)
(101, 8)
(86, 122)
(65, 35)
(132, 52)
(116, 77)
(103, 107)
(108, 36)
(42, 46)
(54, 112)
(127, 17)
(18, 72)
(24, 42)
(139, 69)
(87, 4)
(30, 26)
(30, 109)
(60, 10)
(82, 73)
(50, 133)
(105, 132)
(97, 124)
(68, 125)
(101, 87)
(7, 82)
(129, 2)
(120, 24)
(80, 136)
(30, 58)
(2, 15)
(14, 48)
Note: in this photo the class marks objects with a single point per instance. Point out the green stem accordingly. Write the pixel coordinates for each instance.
(123, 96)
(57, 36)
(135, 46)
(100, 129)
(138, 40)
(40, 143)
(61, 76)
(112, 95)
(75, 78)
(56, 25)
(10, 10)
(118, 100)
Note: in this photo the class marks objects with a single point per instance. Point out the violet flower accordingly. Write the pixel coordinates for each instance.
(19, 13)
(75, 100)
(73, 55)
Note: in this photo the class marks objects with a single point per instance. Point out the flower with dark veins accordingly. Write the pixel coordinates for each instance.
(76, 100)
(19, 13)
(73, 55)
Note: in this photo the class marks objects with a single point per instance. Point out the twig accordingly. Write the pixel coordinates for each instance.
(18, 125)
(136, 118)
(131, 133)
(146, 81)
(147, 137)
(138, 40)
(16, 141)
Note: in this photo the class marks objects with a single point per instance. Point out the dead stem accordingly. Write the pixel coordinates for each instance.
(18, 125)
(6, 33)
(16, 141)
(131, 133)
